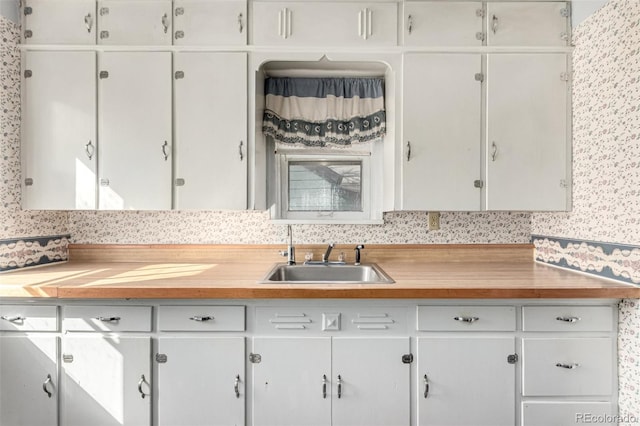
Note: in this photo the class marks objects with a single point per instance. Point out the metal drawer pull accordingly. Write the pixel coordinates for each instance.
(88, 21)
(240, 24)
(408, 150)
(165, 23)
(426, 386)
(88, 148)
(108, 319)
(142, 380)
(409, 24)
(44, 386)
(236, 386)
(164, 150)
(240, 151)
(339, 386)
(568, 366)
(494, 151)
(568, 319)
(466, 319)
(201, 318)
(16, 318)
(494, 23)
(324, 386)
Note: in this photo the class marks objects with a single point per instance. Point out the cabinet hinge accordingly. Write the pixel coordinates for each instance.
(179, 182)
(104, 182)
(512, 359)
(27, 73)
(179, 74)
(179, 11)
(564, 76)
(104, 74)
(28, 34)
(104, 11)
(478, 183)
(28, 10)
(563, 183)
(479, 77)
(407, 358)
(480, 36)
(161, 358)
(28, 182)
(566, 11)
(67, 358)
(179, 35)
(255, 358)
(480, 13)
(104, 34)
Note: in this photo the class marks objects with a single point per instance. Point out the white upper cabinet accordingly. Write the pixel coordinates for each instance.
(210, 22)
(59, 130)
(527, 119)
(134, 22)
(135, 154)
(324, 23)
(211, 130)
(443, 23)
(441, 128)
(59, 22)
(527, 23)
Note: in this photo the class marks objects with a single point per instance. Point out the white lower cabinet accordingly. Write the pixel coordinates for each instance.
(106, 380)
(565, 413)
(201, 381)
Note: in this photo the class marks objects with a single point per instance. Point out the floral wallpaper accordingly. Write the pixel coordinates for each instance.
(602, 233)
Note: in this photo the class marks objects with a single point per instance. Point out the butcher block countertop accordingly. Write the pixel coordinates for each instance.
(234, 271)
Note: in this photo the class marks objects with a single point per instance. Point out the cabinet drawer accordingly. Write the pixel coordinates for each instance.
(201, 318)
(567, 367)
(567, 318)
(107, 318)
(550, 413)
(28, 318)
(466, 318)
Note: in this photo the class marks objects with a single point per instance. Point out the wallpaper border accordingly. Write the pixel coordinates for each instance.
(33, 251)
(620, 262)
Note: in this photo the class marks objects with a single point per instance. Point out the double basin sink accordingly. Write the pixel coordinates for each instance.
(326, 273)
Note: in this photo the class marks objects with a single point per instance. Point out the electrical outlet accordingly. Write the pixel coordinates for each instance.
(434, 220)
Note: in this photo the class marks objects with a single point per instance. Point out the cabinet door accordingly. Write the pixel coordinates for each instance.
(135, 130)
(59, 130)
(443, 23)
(217, 22)
(527, 23)
(211, 131)
(325, 23)
(562, 413)
(134, 22)
(201, 382)
(292, 381)
(59, 22)
(106, 381)
(28, 371)
(465, 381)
(527, 139)
(442, 122)
(370, 381)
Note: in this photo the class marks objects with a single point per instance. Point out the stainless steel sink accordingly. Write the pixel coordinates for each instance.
(281, 273)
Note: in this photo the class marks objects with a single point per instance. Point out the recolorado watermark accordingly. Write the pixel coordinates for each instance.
(591, 418)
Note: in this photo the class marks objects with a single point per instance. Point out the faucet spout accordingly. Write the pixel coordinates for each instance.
(325, 256)
(291, 250)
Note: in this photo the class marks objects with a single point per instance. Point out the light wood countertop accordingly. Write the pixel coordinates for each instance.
(218, 272)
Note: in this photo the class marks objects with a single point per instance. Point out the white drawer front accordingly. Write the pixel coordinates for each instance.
(201, 318)
(107, 318)
(28, 318)
(567, 367)
(561, 413)
(466, 318)
(567, 318)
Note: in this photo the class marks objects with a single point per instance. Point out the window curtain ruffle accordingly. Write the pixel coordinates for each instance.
(317, 112)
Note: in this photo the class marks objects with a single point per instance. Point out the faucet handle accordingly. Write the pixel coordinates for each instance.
(357, 249)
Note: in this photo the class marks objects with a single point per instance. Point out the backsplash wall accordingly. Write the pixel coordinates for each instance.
(602, 233)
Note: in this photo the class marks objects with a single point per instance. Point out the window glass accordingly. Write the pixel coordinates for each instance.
(325, 186)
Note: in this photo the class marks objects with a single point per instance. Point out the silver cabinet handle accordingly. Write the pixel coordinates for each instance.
(88, 22)
(108, 319)
(568, 366)
(339, 386)
(240, 23)
(240, 150)
(165, 145)
(15, 318)
(494, 23)
(140, 383)
(568, 319)
(201, 318)
(467, 319)
(88, 148)
(44, 385)
(409, 24)
(426, 386)
(324, 386)
(408, 151)
(165, 23)
(494, 151)
(236, 386)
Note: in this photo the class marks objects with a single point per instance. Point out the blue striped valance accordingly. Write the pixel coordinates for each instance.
(320, 111)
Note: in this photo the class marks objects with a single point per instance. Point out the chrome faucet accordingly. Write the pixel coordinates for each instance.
(291, 250)
(325, 256)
